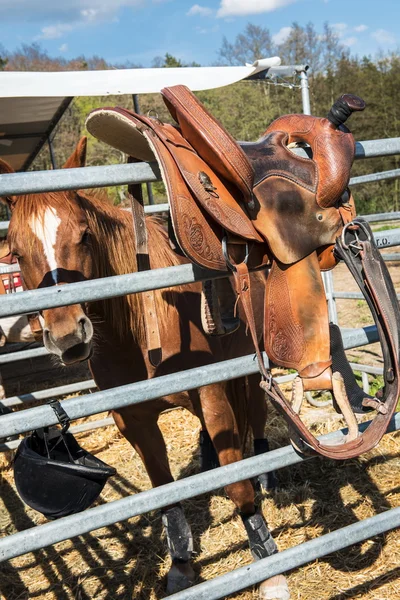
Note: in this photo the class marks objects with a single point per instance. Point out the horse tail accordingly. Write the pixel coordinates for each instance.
(239, 398)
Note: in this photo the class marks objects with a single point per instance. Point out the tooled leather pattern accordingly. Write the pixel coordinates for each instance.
(333, 152)
(198, 242)
(218, 140)
(218, 209)
(284, 336)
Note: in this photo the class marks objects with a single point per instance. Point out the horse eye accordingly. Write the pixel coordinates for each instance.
(85, 237)
(16, 255)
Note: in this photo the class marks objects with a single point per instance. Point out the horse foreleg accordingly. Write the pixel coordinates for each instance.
(141, 430)
(222, 427)
(208, 456)
(257, 415)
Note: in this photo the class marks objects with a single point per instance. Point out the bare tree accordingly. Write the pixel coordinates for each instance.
(254, 43)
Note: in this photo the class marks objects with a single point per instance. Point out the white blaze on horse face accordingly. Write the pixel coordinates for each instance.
(45, 228)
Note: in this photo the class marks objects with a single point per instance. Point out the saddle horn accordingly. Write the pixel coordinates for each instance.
(343, 108)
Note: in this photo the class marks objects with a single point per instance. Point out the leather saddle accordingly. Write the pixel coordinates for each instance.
(261, 205)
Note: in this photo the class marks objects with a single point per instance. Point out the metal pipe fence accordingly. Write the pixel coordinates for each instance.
(109, 175)
(381, 217)
(258, 571)
(82, 428)
(120, 285)
(41, 416)
(153, 499)
(142, 391)
(61, 390)
(22, 354)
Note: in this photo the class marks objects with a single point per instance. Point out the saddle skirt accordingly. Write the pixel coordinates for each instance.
(257, 205)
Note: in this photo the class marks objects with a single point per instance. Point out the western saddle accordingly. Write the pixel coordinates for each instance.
(262, 206)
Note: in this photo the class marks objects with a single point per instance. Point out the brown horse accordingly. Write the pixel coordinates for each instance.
(66, 237)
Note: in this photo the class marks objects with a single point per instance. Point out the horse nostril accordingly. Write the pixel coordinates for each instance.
(82, 323)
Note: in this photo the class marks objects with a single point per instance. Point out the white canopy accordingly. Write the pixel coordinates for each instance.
(31, 103)
(25, 125)
(15, 84)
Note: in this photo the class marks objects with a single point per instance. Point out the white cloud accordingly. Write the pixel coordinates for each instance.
(382, 36)
(282, 35)
(61, 12)
(64, 17)
(339, 27)
(206, 31)
(57, 18)
(235, 8)
(202, 11)
(63, 48)
(350, 41)
(361, 28)
(52, 32)
(90, 13)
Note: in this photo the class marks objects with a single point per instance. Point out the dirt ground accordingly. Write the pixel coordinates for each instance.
(129, 559)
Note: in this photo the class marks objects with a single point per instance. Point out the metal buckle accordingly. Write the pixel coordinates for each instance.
(357, 244)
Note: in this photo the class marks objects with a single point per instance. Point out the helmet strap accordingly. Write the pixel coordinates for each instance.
(48, 433)
(61, 415)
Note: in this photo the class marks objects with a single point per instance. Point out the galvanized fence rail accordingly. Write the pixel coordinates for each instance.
(100, 516)
(142, 391)
(125, 508)
(71, 179)
(120, 285)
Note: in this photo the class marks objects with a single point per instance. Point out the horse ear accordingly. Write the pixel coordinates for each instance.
(78, 157)
(6, 168)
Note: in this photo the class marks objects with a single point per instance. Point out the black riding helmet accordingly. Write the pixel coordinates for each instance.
(55, 476)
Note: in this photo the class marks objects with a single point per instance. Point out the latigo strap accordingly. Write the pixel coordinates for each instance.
(153, 340)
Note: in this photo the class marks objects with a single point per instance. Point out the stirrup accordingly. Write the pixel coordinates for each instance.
(340, 395)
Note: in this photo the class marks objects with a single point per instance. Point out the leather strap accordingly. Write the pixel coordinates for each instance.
(368, 268)
(241, 277)
(153, 339)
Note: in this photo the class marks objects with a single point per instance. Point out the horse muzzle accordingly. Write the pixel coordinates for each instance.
(70, 346)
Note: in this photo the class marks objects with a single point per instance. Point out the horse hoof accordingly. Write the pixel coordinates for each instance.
(275, 588)
(180, 577)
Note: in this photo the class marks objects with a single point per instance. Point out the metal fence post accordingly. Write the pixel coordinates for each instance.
(305, 92)
(327, 277)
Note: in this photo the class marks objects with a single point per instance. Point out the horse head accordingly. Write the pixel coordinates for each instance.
(50, 236)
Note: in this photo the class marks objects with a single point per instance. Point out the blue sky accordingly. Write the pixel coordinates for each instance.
(192, 30)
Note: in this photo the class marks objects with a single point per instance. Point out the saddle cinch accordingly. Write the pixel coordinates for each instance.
(291, 215)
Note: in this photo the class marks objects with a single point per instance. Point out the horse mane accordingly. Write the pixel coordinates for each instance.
(114, 253)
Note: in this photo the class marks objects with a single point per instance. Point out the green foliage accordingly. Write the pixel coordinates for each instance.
(171, 61)
(247, 108)
(385, 228)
